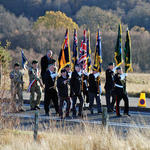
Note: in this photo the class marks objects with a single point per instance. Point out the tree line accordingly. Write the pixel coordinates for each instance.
(47, 32)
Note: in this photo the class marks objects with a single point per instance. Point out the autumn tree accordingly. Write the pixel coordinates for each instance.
(55, 20)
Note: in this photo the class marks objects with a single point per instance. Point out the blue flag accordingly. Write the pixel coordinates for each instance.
(98, 53)
(75, 49)
(24, 60)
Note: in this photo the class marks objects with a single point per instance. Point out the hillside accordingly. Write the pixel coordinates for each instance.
(20, 17)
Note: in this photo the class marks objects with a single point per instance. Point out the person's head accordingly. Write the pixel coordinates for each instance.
(68, 68)
(119, 70)
(94, 69)
(63, 72)
(51, 67)
(35, 64)
(16, 66)
(111, 66)
(77, 68)
(49, 53)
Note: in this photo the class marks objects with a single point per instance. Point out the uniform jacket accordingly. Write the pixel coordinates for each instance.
(62, 88)
(118, 81)
(49, 81)
(93, 84)
(44, 65)
(16, 79)
(109, 85)
(34, 74)
(75, 83)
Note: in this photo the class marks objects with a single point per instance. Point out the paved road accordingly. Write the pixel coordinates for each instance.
(137, 120)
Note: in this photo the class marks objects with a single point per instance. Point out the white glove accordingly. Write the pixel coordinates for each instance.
(96, 75)
(54, 75)
(123, 76)
(80, 73)
(86, 73)
(114, 69)
(70, 73)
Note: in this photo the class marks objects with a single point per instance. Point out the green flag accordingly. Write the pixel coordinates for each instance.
(118, 48)
(127, 53)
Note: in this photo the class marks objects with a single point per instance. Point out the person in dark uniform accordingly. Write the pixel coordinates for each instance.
(69, 74)
(62, 86)
(75, 84)
(45, 61)
(109, 87)
(68, 70)
(120, 92)
(50, 89)
(94, 90)
(85, 87)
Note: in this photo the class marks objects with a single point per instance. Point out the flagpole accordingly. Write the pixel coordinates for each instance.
(125, 86)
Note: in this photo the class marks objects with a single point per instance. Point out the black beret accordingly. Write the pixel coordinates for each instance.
(111, 64)
(16, 65)
(118, 68)
(77, 65)
(67, 66)
(63, 70)
(34, 62)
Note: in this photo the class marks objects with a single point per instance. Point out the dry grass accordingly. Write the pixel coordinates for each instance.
(91, 138)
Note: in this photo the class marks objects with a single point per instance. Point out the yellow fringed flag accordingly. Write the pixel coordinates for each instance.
(64, 55)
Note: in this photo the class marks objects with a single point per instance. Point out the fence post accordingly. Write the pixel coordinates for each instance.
(36, 123)
(104, 117)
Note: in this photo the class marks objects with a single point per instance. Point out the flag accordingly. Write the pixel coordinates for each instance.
(83, 53)
(98, 53)
(127, 53)
(118, 48)
(75, 49)
(88, 52)
(64, 55)
(24, 60)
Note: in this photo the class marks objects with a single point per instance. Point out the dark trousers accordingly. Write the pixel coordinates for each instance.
(98, 101)
(51, 95)
(74, 99)
(62, 99)
(109, 94)
(123, 96)
(86, 95)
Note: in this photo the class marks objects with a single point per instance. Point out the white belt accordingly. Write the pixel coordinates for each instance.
(119, 86)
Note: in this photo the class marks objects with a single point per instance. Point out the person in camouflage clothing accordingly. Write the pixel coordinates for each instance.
(17, 87)
(35, 86)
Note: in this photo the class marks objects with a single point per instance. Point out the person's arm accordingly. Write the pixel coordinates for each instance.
(15, 77)
(22, 80)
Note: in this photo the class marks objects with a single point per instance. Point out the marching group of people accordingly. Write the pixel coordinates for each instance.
(69, 86)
